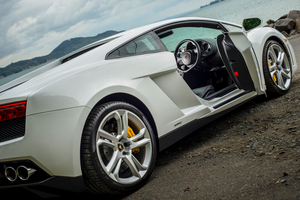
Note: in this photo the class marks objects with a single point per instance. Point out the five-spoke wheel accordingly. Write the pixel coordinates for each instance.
(118, 148)
(277, 68)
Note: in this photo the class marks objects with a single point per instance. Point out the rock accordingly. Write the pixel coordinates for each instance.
(285, 25)
(285, 174)
(270, 21)
(283, 181)
(283, 17)
(285, 34)
(271, 25)
(292, 127)
(261, 153)
(293, 32)
(294, 14)
(297, 26)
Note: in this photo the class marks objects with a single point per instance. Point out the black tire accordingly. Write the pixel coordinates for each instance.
(102, 170)
(278, 74)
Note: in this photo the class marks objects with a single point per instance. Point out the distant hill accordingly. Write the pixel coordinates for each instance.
(212, 3)
(64, 48)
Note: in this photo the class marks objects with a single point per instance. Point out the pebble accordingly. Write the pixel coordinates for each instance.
(293, 127)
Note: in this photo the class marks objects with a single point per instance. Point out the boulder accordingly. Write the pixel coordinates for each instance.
(283, 16)
(293, 32)
(285, 25)
(270, 21)
(285, 34)
(297, 26)
(271, 25)
(294, 14)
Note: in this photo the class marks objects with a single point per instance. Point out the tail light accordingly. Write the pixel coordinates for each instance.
(12, 111)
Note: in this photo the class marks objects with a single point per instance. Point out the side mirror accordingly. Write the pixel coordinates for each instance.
(251, 23)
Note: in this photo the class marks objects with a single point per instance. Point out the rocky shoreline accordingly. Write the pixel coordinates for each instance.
(288, 25)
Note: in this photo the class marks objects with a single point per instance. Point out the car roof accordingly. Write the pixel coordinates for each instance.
(128, 35)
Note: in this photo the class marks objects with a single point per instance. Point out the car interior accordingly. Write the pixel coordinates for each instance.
(199, 62)
(209, 78)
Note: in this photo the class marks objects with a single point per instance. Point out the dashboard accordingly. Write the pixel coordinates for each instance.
(208, 46)
(209, 52)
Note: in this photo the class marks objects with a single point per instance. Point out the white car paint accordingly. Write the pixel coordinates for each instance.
(259, 36)
(61, 97)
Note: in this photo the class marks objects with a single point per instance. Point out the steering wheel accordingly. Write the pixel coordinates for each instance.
(189, 56)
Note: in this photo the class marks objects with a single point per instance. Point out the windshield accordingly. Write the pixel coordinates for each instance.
(174, 36)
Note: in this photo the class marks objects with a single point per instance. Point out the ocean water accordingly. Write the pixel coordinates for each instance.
(17, 75)
(237, 10)
(229, 10)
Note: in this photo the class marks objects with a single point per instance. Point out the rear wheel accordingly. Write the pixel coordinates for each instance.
(277, 69)
(118, 149)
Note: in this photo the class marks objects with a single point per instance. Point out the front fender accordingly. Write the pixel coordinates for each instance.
(259, 36)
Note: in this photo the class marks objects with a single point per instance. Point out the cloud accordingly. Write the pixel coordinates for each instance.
(31, 28)
(26, 23)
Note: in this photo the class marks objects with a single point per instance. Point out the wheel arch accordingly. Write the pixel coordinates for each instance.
(135, 102)
(284, 46)
(259, 37)
(98, 179)
(277, 39)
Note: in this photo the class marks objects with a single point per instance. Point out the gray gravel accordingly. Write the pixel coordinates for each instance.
(252, 153)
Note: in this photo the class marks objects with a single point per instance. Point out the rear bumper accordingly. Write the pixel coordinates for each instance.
(51, 145)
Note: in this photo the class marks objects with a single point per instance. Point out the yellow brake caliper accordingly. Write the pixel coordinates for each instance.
(130, 135)
(274, 76)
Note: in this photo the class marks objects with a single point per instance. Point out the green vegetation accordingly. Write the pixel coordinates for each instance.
(251, 23)
(64, 48)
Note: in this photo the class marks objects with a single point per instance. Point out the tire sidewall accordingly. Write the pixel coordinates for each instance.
(272, 88)
(101, 174)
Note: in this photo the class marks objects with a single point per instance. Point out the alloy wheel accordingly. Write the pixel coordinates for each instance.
(123, 146)
(279, 66)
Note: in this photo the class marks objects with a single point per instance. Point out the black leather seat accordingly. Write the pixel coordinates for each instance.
(204, 91)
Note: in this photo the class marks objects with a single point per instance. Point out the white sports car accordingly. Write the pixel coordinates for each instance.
(96, 118)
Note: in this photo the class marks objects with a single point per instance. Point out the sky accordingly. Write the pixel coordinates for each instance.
(31, 28)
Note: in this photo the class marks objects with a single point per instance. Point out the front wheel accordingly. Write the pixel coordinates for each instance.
(277, 69)
(118, 149)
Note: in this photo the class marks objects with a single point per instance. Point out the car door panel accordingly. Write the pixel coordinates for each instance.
(234, 63)
(242, 43)
(247, 69)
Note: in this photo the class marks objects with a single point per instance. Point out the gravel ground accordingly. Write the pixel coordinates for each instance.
(251, 153)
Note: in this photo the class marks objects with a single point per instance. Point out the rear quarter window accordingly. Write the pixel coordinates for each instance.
(148, 43)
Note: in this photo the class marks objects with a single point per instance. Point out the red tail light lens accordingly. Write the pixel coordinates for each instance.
(12, 111)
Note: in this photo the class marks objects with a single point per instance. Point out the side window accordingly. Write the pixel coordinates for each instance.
(148, 43)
